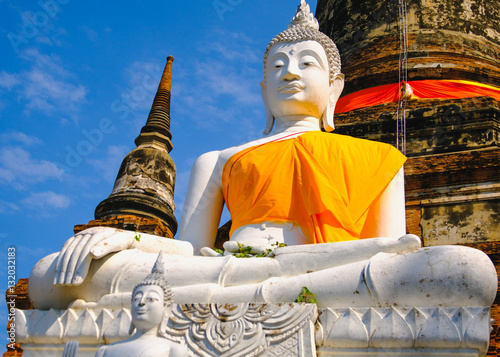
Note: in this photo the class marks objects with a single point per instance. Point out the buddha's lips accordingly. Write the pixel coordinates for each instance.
(291, 87)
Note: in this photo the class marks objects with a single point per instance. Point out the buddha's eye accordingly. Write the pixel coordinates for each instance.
(309, 61)
(278, 64)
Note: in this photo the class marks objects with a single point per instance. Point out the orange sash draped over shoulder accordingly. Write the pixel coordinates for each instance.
(324, 182)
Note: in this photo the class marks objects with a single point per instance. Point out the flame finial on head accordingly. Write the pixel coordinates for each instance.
(304, 26)
(157, 277)
(304, 17)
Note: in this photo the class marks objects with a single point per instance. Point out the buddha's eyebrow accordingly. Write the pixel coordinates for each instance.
(309, 52)
(279, 54)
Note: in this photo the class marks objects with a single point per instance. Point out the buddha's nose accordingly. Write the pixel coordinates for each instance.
(291, 72)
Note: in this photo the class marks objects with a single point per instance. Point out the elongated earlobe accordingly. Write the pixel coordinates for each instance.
(269, 115)
(336, 88)
(166, 315)
(327, 118)
(132, 328)
(269, 122)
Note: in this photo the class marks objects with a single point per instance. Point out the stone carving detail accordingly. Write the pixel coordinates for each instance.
(404, 328)
(85, 325)
(206, 329)
(242, 329)
(274, 330)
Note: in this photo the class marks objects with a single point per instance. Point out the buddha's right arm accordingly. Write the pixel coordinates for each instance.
(74, 259)
(204, 202)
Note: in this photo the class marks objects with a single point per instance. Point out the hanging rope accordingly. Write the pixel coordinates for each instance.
(403, 78)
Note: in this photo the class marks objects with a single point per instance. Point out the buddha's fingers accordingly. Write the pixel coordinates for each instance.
(231, 246)
(66, 255)
(82, 258)
(74, 257)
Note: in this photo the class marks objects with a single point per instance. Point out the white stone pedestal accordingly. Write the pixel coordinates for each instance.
(205, 329)
(417, 331)
(271, 330)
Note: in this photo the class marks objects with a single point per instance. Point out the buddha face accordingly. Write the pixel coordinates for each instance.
(147, 307)
(297, 79)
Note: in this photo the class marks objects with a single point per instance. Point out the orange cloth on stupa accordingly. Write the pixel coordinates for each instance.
(325, 183)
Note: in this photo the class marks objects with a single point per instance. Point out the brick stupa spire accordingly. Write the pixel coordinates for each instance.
(157, 128)
(143, 193)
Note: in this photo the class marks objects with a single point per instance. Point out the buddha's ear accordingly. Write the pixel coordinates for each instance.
(336, 88)
(269, 115)
(167, 311)
(132, 328)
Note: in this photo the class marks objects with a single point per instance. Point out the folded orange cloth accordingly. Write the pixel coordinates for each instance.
(325, 183)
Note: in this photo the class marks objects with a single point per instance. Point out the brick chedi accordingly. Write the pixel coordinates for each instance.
(143, 195)
(453, 171)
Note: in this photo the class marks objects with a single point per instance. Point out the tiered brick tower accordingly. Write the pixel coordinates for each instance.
(143, 195)
(453, 171)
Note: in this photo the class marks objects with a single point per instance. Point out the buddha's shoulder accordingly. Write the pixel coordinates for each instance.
(225, 154)
(342, 141)
(217, 159)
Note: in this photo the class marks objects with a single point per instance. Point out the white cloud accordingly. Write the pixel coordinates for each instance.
(50, 62)
(47, 86)
(7, 207)
(46, 200)
(8, 80)
(19, 137)
(223, 87)
(91, 34)
(45, 92)
(233, 47)
(142, 78)
(18, 168)
(223, 80)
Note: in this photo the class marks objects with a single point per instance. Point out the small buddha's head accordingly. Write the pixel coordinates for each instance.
(302, 72)
(151, 299)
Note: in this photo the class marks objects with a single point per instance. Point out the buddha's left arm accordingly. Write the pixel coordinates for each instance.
(387, 218)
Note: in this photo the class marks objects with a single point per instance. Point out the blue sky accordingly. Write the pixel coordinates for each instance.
(77, 79)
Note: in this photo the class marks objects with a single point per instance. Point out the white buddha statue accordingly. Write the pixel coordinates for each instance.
(324, 195)
(151, 306)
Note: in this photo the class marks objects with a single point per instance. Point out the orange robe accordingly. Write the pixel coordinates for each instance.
(325, 183)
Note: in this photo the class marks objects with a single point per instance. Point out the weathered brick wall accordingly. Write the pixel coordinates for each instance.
(22, 302)
(130, 223)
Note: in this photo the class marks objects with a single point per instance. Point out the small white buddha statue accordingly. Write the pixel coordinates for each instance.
(151, 306)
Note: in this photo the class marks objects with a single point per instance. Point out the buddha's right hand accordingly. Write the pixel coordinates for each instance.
(78, 252)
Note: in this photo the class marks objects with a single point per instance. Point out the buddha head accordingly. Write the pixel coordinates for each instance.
(301, 72)
(151, 300)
